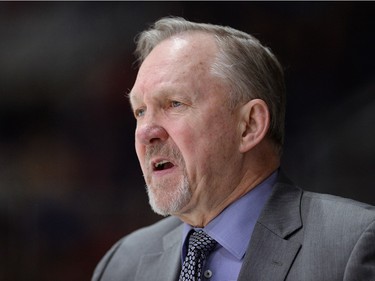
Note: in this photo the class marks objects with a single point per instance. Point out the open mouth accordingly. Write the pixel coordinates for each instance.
(162, 165)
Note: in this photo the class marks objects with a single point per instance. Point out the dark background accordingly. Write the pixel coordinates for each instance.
(70, 183)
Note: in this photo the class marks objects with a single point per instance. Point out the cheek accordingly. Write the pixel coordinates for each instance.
(196, 142)
(220, 138)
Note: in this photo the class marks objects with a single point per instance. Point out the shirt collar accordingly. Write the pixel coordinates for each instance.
(233, 227)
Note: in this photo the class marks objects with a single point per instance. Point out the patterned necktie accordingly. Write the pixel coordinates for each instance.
(200, 245)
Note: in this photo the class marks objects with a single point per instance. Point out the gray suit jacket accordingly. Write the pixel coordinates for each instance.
(299, 236)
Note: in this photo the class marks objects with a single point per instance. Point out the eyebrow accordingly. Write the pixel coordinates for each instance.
(131, 95)
(132, 98)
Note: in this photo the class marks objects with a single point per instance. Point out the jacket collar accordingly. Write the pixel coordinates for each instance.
(164, 265)
(275, 241)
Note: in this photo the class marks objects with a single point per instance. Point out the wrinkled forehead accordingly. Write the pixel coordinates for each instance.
(181, 58)
(192, 49)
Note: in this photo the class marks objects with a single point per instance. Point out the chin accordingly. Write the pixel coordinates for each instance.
(166, 203)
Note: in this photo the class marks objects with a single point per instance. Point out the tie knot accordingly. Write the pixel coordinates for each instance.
(200, 245)
(202, 242)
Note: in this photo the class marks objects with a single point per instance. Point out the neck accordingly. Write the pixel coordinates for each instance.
(200, 216)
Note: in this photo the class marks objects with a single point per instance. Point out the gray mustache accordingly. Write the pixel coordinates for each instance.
(162, 150)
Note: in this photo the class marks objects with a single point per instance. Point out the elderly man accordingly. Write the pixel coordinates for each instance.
(210, 103)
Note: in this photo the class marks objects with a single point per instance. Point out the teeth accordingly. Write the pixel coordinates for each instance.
(160, 164)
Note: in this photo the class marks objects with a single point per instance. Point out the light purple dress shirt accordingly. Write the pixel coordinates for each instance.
(232, 230)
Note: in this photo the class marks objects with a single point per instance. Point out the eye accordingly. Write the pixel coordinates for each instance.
(176, 103)
(139, 112)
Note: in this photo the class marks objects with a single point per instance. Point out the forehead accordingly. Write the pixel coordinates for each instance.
(190, 48)
(180, 60)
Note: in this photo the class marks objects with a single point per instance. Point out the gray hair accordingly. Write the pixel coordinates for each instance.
(250, 69)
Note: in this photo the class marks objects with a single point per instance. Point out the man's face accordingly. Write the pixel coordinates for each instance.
(186, 137)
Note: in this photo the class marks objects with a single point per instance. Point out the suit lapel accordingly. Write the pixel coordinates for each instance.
(165, 265)
(275, 241)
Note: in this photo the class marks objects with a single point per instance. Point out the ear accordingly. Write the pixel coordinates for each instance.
(254, 124)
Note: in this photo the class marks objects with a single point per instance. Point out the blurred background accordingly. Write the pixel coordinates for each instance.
(70, 183)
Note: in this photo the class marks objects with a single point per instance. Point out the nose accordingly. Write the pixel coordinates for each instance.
(150, 133)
